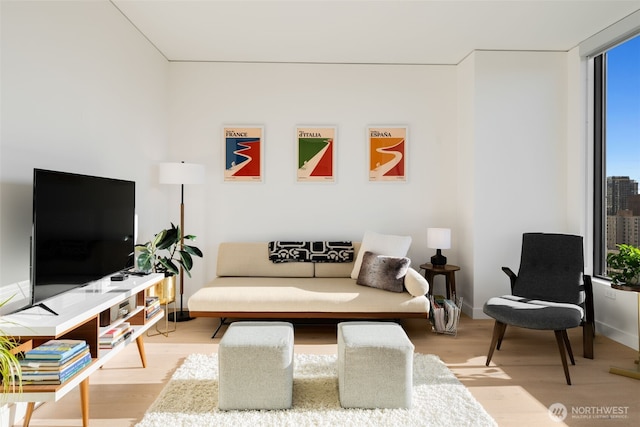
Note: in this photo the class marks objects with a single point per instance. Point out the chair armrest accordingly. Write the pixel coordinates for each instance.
(588, 299)
(588, 326)
(512, 276)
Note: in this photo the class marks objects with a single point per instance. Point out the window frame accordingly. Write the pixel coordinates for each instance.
(599, 166)
(598, 64)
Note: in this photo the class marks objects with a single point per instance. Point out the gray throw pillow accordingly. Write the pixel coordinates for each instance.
(383, 272)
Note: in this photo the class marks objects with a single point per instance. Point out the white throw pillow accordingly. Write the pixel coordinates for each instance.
(381, 244)
(415, 283)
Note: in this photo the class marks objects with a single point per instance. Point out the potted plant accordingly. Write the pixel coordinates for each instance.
(165, 253)
(10, 370)
(624, 266)
(161, 253)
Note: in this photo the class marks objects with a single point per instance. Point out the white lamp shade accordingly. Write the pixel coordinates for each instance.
(439, 238)
(181, 173)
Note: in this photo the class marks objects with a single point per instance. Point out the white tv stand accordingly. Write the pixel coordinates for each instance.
(78, 317)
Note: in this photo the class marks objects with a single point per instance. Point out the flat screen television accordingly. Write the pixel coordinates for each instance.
(83, 230)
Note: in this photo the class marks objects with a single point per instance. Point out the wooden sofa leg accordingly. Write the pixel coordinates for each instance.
(563, 355)
(498, 333)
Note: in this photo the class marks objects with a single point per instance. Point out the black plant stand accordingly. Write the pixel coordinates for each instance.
(181, 315)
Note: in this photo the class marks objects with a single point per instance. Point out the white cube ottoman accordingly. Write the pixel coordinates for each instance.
(255, 363)
(375, 365)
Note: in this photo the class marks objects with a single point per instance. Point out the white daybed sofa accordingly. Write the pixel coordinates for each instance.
(249, 285)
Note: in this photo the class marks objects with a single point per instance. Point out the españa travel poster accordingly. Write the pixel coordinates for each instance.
(387, 153)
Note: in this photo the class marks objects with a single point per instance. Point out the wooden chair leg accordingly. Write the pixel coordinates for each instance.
(498, 333)
(588, 332)
(502, 332)
(567, 344)
(563, 355)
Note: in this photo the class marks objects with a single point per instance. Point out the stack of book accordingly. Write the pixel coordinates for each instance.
(115, 335)
(54, 362)
(445, 314)
(152, 306)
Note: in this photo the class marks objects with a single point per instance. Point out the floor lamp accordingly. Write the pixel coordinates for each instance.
(181, 173)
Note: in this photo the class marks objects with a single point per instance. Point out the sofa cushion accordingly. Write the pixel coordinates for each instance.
(383, 244)
(300, 295)
(252, 260)
(415, 283)
(383, 272)
(332, 269)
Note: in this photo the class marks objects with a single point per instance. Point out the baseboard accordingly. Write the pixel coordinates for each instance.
(473, 312)
(617, 335)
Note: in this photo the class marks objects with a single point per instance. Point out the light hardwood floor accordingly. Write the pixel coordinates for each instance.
(524, 379)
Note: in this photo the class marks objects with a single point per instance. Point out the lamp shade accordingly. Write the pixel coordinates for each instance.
(180, 173)
(439, 238)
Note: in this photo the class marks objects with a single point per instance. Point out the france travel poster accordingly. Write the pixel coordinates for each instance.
(316, 148)
(387, 153)
(243, 153)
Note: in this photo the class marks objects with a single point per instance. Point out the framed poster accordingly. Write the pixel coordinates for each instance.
(387, 153)
(243, 153)
(316, 154)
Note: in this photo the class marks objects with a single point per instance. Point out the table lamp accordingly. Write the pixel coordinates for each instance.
(438, 239)
(181, 173)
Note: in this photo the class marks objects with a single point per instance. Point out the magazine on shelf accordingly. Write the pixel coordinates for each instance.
(49, 365)
(108, 343)
(150, 313)
(116, 331)
(60, 349)
(151, 300)
(57, 377)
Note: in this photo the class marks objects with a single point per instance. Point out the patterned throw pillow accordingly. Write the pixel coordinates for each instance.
(310, 251)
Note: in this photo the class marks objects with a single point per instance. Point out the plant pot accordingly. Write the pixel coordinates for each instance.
(634, 281)
(164, 290)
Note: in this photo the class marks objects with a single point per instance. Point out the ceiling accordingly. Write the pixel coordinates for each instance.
(362, 31)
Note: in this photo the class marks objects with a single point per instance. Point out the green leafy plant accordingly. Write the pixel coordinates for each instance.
(10, 370)
(623, 267)
(165, 253)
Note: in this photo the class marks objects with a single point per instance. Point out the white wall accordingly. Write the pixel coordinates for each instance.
(517, 131)
(82, 91)
(466, 182)
(204, 97)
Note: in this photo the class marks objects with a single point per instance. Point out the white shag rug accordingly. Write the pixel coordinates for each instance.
(190, 399)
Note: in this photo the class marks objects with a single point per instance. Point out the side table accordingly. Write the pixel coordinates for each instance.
(631, 373)
(448, 270)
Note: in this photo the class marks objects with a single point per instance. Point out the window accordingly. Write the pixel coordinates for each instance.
(617, 150)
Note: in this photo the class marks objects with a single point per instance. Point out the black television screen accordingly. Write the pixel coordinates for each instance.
(83, 230)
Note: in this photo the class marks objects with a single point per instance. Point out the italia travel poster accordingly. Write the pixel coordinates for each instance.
(316, 148)
(387, 153)
(243, 153)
